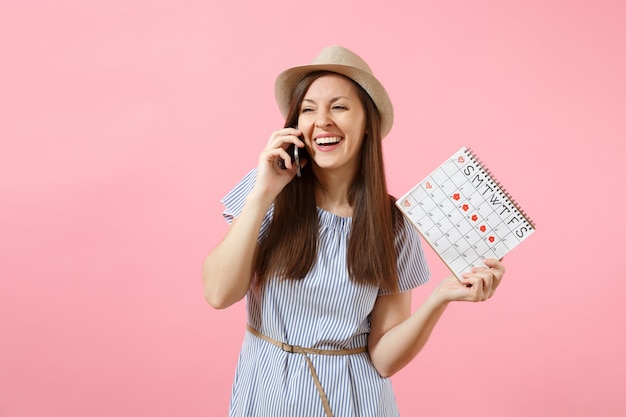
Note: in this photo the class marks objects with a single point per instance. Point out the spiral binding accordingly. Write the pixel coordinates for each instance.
(474, 157)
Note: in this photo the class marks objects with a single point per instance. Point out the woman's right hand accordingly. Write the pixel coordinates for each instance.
(271, 177)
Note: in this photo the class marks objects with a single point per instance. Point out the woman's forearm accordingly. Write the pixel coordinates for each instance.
(401, 344)
(228, 269)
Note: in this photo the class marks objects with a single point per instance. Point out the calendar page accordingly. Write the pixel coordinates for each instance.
(465, 214)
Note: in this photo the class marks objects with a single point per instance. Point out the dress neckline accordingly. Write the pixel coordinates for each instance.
(333, 220)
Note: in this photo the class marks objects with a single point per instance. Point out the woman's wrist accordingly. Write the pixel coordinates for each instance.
(438, 298)
(447, 291)
(260, 198)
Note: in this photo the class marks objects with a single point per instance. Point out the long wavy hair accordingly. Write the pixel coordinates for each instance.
(289, 249)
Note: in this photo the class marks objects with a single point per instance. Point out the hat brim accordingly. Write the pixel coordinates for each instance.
(288, 79)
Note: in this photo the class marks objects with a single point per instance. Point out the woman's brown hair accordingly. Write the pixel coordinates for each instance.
(289, 249)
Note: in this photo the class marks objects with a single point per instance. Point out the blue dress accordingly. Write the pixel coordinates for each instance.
(325, 310)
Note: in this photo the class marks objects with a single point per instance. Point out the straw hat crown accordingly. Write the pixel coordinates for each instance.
(342, 61)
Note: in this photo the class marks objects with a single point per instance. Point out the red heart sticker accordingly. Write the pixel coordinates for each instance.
(483, 228)
(491, 239)
(461, 159)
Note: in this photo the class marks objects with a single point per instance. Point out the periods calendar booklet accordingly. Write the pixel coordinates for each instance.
(465, 214)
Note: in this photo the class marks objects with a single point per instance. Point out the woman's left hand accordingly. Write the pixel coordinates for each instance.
(478, 285)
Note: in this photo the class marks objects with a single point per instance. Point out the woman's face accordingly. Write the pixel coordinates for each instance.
(332, 120)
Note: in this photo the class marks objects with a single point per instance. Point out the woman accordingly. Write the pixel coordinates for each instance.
(325, 259)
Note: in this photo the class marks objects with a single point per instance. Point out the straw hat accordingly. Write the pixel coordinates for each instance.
(343, 61)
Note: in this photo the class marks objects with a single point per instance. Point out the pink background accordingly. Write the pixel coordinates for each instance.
(124, 122)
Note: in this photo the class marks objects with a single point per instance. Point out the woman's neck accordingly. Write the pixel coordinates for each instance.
(332, 193)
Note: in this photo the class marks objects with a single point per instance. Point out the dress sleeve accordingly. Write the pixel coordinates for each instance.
(235, 199)
(412, 267)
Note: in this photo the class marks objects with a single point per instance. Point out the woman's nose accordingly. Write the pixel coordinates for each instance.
(323, 121)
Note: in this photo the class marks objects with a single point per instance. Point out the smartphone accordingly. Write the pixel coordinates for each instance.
(295, 153)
